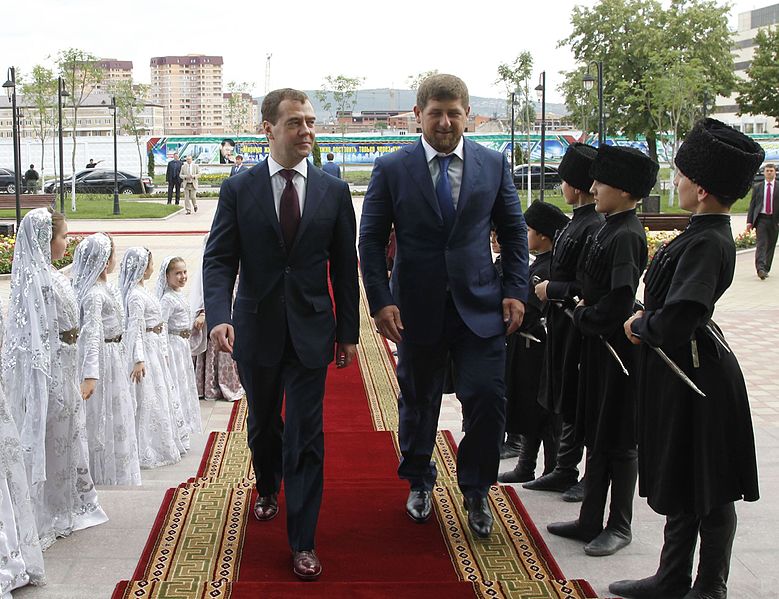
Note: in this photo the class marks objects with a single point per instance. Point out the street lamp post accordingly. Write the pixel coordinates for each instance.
(541, 90)
(588, 81)
(10, 88)
(116, 163)
(61, 93)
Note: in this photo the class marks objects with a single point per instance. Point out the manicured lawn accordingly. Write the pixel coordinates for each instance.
(95, 206)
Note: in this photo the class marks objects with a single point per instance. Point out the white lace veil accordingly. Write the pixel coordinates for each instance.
(199, 339)
(31, 338)
(89, 261)
(134, 264)
(162, 276)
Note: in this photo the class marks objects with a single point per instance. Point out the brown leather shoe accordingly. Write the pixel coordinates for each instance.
(305, 565)
(266, 508)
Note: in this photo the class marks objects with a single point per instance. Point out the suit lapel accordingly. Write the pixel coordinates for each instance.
(263, 195)
(471, 171)
(416, 165)
(315, 188)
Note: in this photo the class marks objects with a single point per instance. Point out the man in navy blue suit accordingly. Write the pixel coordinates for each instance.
(286, 225)
(442, 194)
(330, 167)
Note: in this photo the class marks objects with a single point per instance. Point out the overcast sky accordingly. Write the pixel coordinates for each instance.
(384, 42)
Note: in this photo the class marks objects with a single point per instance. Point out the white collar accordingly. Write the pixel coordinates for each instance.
(431, 152)
(301, 167)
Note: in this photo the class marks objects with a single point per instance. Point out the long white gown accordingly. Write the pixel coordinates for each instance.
(67, 501)
(110, 413)
(163, 435)
(21, 560)
(175, 314)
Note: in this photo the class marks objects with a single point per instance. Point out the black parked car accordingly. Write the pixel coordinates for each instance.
(100, 180)
(551, 177)
(7, 184)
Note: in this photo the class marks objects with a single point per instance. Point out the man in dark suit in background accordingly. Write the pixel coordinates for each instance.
(238, 166)
(283, 331)
(173, 178)
(763, 215)
(330, 167)
(442, 194)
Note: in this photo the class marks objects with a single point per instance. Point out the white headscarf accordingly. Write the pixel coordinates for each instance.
(199, 339)
(89, 262)
(134, 264)
(31, 338)
(162, 276)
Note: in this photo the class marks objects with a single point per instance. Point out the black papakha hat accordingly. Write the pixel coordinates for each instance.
(545, 218)
(575, 166)
(720, 159)
(625, 168)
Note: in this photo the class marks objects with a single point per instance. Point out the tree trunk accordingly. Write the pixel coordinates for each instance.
(73, 162)
(651, 142)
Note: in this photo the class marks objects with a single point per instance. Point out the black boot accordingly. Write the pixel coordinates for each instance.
(575, 494)
(566, 472)
(526, 464)
(511, 446)
(590, 522)
(551, 443)
(674, 574)
(623, 472)
(718, 529)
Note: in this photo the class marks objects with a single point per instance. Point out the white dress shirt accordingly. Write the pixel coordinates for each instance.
(278, 182)
(455, 167)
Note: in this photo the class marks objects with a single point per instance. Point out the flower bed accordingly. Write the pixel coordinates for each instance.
(656, 239)
(7, 253)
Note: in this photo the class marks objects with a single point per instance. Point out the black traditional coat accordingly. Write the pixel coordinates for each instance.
(616, 257)
(563, 346)
(524, 363)
(695, 453)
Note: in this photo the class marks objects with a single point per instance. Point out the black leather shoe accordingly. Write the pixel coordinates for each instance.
(556, 481)
(646, 588)
(572, 530)
(419, 505)
(479, 516)
(607, 542)
(575, 494)
(306, 565)
(266, 508)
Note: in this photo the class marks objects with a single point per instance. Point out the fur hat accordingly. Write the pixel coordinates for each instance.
(575, 166)
(720, 159)
(545, 218)
(625, 168)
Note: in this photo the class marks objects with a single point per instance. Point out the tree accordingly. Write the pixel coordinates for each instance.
(516, 78)
(316, 153)
(40, 93)
(415, 80)
(338, 96)
(632, 37)
(129, 98)
(757, 94)
(236, 109)
(80, 72)
(150, 164)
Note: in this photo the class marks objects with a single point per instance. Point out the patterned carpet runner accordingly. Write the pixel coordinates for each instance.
(205, 542)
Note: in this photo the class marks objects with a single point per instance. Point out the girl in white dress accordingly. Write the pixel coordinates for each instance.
(63, 494)
(163, 435)
(178, 319)
(21, 561)
(110, 414)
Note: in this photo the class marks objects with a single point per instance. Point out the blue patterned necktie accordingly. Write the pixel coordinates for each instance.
(443, 191)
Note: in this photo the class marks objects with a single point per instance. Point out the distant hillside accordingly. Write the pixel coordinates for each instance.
(403, 100)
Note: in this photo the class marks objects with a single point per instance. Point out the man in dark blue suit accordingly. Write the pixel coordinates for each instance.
(173, 177)
(445, 298)
(238, 167)
(285, 224)
(330, 167)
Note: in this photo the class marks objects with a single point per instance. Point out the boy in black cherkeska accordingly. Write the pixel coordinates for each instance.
(605, 419)
(696, 454)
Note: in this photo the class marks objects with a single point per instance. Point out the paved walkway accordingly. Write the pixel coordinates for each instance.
(88, 564)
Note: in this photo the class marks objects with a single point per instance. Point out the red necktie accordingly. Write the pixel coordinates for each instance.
(289, 209)
(769, 200)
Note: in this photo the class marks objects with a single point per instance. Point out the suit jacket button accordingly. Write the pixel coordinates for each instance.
(281, 244)
(282, 299)
(287, 270)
